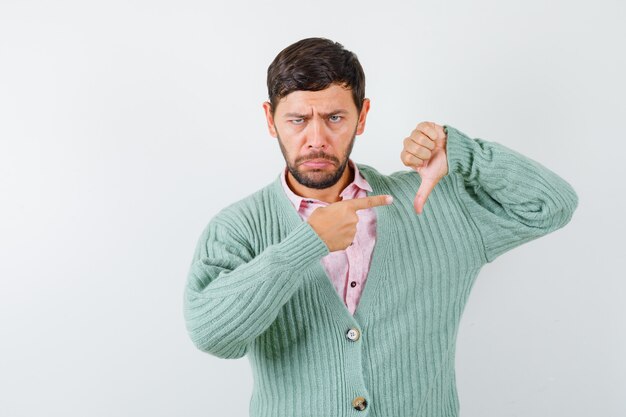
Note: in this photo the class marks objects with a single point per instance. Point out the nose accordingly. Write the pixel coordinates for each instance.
(316, 135)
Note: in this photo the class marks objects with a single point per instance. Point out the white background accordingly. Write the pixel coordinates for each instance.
(126, 125)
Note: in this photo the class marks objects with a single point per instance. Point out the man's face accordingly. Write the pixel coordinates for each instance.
(316, 132)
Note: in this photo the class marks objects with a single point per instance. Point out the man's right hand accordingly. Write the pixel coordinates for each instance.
(336, 223)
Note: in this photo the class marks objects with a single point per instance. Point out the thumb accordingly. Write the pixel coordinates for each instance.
(423, 192)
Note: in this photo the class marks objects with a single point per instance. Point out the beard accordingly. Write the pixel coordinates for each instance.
(318, 178)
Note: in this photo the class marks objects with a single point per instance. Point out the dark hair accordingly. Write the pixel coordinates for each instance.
(314, 64)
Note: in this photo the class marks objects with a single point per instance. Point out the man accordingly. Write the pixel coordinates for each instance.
(343, 287)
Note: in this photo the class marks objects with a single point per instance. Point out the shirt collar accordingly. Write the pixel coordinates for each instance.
(359, 183)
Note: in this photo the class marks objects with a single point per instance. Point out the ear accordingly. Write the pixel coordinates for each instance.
(267, 107)
(362, 116)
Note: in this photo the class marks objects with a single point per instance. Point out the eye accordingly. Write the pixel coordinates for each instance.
(297, 121)
(335, 118)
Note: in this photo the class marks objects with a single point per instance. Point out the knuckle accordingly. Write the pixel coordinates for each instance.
(427, 129)
(424, 126)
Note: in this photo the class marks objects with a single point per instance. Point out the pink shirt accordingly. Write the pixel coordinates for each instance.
(347, 269)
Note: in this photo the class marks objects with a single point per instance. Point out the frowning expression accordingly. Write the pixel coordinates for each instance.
(316, 131)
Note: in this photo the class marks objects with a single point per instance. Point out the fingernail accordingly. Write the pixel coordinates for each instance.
(389, 199)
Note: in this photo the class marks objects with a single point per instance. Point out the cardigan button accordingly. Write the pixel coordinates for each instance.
(353, 334)
(359, 403)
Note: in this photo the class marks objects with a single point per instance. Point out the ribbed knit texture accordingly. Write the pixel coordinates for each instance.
(256, 286)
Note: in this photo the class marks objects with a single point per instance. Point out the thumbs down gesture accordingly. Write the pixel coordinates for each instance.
(425, 151)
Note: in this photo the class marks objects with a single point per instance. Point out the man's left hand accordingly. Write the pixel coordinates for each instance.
(425, 151)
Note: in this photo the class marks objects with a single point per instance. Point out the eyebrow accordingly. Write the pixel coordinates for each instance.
(304, 116)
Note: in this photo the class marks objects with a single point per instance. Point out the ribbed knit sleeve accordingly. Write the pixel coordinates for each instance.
(510, 198)
(231, 297)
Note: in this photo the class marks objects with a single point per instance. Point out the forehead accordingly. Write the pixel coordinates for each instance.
(324, 100)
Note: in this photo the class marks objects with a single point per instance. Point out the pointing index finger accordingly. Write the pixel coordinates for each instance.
(370, 201)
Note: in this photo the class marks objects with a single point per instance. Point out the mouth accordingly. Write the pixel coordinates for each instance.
(317, 163)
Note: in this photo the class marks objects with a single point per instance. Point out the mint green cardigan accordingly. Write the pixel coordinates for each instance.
(256, 286)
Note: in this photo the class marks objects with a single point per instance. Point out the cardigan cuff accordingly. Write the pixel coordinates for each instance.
(459, 151)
